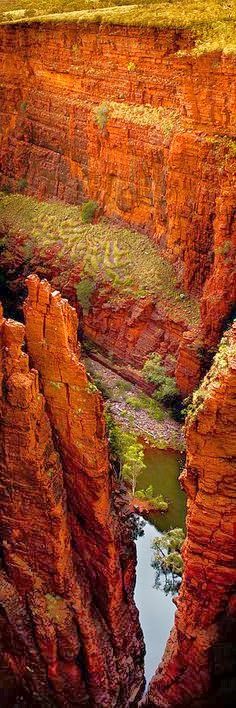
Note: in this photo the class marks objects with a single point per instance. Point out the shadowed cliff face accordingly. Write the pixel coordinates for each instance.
(129, 117)
(199, 661)
(69, 626)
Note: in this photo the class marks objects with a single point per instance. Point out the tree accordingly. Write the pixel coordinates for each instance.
(133, 464)
(167, 559)
(127, 451)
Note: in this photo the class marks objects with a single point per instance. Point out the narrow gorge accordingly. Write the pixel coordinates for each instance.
(117, 342)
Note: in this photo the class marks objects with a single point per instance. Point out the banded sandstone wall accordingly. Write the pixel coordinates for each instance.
(198, 667)
(69, 627)
(163, 159)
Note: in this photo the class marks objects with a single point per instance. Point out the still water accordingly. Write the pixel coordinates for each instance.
(156, 609)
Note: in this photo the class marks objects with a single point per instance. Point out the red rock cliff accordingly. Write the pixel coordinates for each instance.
(171, 171)
(197, 665)
(70, 627)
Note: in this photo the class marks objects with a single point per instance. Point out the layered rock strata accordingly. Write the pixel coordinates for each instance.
(199, 662)
(128, 327)
(69, 628)
(154, 144)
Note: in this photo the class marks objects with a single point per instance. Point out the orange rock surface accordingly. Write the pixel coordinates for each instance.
(67, 576)
(197, 666)
(173, 175)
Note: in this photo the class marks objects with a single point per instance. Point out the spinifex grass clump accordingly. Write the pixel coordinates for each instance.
(124, 260)
(212, 22)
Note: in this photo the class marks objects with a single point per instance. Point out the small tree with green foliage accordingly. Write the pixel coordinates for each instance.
(158, 502)
(126, 449)
(167, 559)
(154, 371)
(133, 464)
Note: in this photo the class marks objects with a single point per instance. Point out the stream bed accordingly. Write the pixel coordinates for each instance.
(156, 608)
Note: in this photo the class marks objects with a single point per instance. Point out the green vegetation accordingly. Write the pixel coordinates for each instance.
(157, 502)
(84, 291)
(131, 66)
(125, 449)
(167, 119)
(23, 106)
(167, 559)
(87, 211)
(124, 259)
(101, 114)
(133, 464)
(222, 361)
(55, 384)
(154, 371)
(145, 402)
(211, 21)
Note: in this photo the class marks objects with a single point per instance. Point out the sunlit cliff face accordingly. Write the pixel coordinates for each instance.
(125, 117)
(136, 121)
(66, 585)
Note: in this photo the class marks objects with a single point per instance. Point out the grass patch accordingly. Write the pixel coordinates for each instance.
(143, 402)
(211, 21)
(166, 119)
(124, 259)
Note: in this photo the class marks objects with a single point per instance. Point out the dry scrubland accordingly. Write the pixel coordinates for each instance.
(212, 21)
(122, 257)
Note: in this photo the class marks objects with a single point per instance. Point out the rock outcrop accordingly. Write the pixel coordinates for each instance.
(197, 667)
(69, 626)
(155, 145)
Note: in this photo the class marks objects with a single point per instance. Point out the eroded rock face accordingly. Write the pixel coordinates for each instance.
(173, 175)
(197, 667)
(69, 626)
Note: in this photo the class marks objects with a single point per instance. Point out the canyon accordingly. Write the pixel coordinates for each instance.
(154, 147)
(135, 120)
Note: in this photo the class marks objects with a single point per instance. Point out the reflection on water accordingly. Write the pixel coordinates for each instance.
(155, 607)
(162, 471)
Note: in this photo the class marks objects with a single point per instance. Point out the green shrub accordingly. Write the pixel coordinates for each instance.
(154, 371)
(101, 115)
(84, 291)
(23, 106)
(158, 501)
(131, 66)
(122, 385)
(88, 211)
